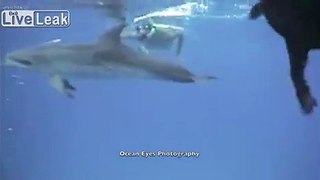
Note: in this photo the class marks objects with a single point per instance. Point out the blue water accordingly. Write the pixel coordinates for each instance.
(247, 125)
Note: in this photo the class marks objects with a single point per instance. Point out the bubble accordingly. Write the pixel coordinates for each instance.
(15, 76)
(21, 83)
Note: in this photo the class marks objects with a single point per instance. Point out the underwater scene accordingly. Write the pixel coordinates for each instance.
(159, 90)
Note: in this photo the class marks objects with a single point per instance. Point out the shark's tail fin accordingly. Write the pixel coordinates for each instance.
(166, 70)
(203, 78)
(256, 11)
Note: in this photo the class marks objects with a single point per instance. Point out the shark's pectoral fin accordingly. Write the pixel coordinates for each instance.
(62, 85)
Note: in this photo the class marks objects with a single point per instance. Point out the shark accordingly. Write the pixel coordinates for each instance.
(106, 58)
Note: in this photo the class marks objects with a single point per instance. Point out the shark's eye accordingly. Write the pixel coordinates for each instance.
(23, 61)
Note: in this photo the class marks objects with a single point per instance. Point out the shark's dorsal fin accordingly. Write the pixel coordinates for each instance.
(112, 35)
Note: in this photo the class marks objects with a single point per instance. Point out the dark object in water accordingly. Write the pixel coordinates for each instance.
(298, 22)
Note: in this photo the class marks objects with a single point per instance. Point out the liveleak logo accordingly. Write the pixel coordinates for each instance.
(35, 18)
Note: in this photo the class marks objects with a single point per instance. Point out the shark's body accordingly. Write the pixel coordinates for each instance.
(107, 58)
